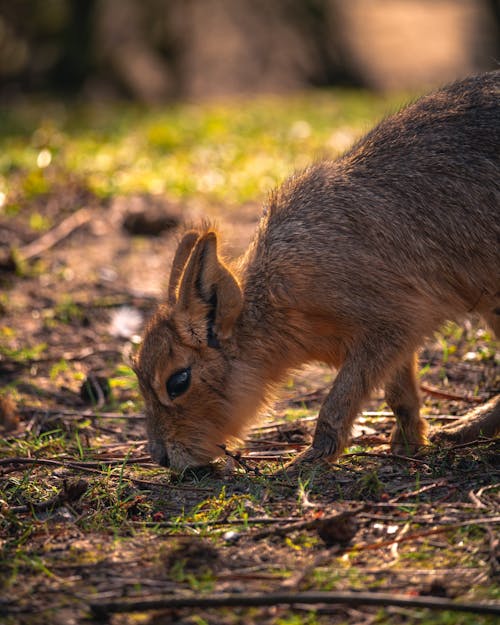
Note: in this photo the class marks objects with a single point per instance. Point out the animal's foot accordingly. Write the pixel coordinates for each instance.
(409, 443)
(328, 443)
(405, 447)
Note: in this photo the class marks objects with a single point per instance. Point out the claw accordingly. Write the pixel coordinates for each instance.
(325, 443)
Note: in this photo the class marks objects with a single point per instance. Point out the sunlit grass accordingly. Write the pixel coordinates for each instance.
(212, 153)
(232, 152)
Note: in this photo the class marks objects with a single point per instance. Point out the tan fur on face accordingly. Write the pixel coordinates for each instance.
(355, 262)
(192, 428)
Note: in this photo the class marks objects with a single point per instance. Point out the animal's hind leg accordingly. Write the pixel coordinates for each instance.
(402, 395)
(482, 421)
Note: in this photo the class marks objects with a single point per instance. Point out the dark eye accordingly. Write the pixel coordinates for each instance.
(178, 383)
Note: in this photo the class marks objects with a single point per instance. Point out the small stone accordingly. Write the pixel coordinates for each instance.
(231, 536)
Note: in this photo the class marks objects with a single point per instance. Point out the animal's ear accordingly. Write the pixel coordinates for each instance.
(180, 259)
(209, 298)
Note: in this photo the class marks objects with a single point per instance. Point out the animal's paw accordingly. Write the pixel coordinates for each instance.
(405, 448)
(409, 444)
(329, 442)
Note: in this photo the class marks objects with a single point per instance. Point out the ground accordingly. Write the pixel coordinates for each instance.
(85, 517)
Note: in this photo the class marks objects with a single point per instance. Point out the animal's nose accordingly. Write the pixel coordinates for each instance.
(159, 454)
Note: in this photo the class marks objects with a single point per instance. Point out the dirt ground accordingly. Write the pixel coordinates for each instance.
(86, 518)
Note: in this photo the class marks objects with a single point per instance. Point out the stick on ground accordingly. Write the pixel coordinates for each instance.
(57, 234)
(103, 608)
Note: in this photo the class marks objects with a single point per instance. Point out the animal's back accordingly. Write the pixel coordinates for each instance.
(354, 264)
(414, 207)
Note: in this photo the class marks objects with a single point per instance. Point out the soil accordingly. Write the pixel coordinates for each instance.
(103, 523)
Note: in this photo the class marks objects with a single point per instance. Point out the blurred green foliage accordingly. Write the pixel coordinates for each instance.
(232, 151)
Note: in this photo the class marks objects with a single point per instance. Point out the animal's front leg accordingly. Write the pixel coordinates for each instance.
(333, 430)
(339, 409)
(364, 368)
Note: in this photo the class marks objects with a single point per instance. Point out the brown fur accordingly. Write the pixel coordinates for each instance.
(354, 263)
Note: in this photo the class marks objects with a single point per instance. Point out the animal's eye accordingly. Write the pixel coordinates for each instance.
(178, 383)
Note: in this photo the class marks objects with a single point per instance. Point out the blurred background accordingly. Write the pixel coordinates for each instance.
(162, 50)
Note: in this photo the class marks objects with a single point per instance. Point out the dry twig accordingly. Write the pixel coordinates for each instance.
(451, 396)
(237, 457)
(57, 234)
(321, 524)
(104, 608)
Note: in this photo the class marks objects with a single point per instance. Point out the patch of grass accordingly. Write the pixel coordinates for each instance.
(67, 310)
(117, 535)
(53, 441)
(201, 581)
(298, 619)
(111, 504)
(34, 184)
(57, 368)
(431, 617)
(370, 486)
(293, 414)
(220, 507)
(124, 378)
(218, 151)
(23, 354)
(38, 222)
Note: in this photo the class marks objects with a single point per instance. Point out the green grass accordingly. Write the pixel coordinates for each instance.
(208, 153)
(235, 151)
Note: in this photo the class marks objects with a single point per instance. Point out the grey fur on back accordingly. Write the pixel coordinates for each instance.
(414, 206)
(354, 263)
